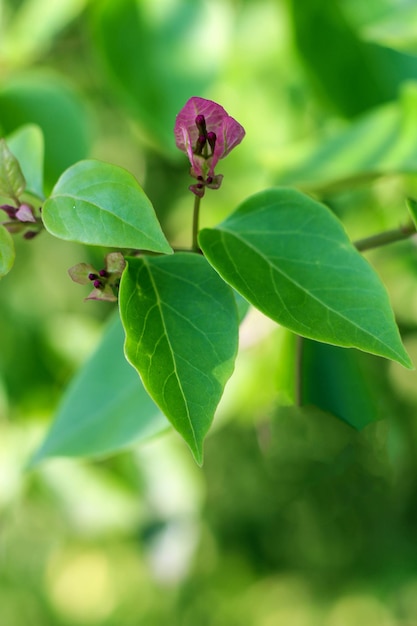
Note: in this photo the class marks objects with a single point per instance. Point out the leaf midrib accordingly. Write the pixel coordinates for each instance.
(308, 293)
(160, 308)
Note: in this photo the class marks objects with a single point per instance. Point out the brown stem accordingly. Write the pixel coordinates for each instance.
(385, 238)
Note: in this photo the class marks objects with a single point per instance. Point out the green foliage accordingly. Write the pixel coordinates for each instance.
(27, 145)
(380, 142)
(291, 258)
(45, 99)
(105, 408)
(334, 58)
(181, 335)
(101, 204)
(296, 517)
(12, 181)
(7, 251)
(120, 27)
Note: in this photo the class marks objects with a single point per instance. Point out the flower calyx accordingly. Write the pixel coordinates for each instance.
(105, 282)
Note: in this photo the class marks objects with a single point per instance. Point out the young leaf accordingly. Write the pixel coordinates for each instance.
(27, 145)
(7, 252)
(105, 407)
(12, 181)
(181, 328)
(102, 204)
(291, 258)
(412, 207)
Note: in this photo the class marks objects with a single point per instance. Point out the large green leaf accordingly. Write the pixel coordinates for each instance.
(105, 407)
(181, 328)
(102, 204)
(27, 145)
(291, 258)
(7, 251)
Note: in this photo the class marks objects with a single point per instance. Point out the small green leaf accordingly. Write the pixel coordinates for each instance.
(7, 252)
(105, 407)
(101, 204)
(412, 207)
(291, 258)
(12, 181)
(181, 328)
(27, 145)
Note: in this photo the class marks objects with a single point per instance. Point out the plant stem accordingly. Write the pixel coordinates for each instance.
(196, 215)
(299, 346)
(387, 237)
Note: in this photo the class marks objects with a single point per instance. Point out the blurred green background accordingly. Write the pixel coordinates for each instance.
(296, 518)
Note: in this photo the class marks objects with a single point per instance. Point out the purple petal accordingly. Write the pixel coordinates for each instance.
(25, 213)
(229, 133)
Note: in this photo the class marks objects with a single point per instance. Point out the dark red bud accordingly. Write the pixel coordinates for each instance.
(209, 180)
(98, 284)
(200, 122)
(211, 138)
(104, 273)
(30, 234)
(92, 276)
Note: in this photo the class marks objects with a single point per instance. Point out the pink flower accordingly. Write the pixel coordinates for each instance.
(206, 133)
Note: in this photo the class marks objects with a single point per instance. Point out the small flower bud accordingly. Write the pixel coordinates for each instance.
(104, 273)
(200, 122)
(98, 284)
(201, 142)
(211, 138)
(92, 276)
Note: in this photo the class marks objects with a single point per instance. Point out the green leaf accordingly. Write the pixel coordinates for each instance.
(27, 145)
(7, 252)
(105, 407)
(12, 181)
(101, 204)
(291, 258)
(181, 328)
(340, 382)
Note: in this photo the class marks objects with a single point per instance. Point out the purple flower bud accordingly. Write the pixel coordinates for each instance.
(98, 284)
(211, 138)
(10, 210)
(200, 122)
(30, 234)
(201, 142)
(104, 273)
(92, 276)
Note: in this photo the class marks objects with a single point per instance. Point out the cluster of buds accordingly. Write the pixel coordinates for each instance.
(105, 282)
(206, 133)
(21, 218)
